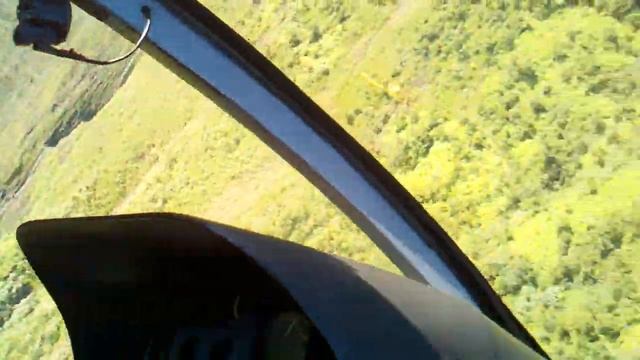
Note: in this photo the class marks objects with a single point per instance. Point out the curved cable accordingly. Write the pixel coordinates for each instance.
(73, 55)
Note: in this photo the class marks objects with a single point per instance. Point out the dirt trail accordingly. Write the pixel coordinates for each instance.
(164, 155)
(249, 188)
(361, 48)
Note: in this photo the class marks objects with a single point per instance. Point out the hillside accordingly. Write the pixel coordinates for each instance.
(42, 99)
(515, 128)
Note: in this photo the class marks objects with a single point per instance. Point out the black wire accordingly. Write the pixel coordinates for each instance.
(73, 55)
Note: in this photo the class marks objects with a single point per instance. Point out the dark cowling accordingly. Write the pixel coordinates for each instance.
(142, 285)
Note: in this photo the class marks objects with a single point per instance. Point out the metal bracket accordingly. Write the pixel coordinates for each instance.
(43, 24)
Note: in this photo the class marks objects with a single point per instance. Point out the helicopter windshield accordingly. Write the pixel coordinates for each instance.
(515, 126)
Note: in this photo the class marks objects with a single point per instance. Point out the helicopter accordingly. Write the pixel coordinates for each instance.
(160, 285)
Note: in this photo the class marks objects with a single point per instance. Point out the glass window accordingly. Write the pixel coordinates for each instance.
(515, 125)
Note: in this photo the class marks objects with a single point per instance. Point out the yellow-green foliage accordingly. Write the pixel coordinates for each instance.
(517, 130)
(38, 93)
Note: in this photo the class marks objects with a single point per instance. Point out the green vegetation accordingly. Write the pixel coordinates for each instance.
(515, 126)
(42, 99)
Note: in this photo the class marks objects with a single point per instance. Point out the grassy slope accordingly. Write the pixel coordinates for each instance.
(525, 156)
(41, 98)
(39, 93)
